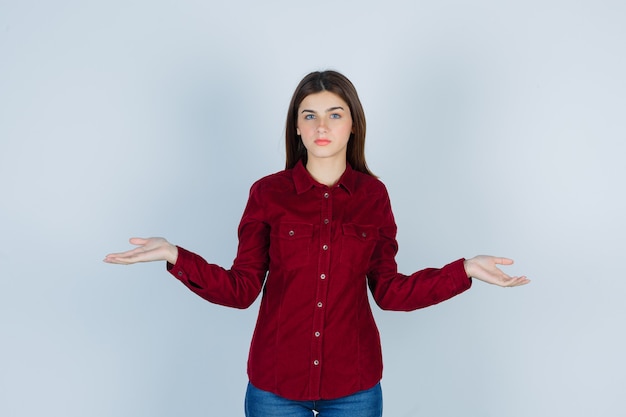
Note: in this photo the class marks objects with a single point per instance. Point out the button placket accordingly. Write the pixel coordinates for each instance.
(322, 286)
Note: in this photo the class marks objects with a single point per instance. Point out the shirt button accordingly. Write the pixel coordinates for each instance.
(364, 234)
(326, 195)
(325, 247)
(320, 304)
(326, 221)
(291, 233)
(180, 273)
(317, 334)
(316, 362)
(323, 276)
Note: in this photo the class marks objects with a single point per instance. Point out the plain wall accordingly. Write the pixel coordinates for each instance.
(498, 127)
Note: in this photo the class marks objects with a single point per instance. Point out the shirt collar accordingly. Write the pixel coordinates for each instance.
(303, 181)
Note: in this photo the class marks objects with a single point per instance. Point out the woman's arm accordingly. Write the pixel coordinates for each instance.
(236, 287)
(395, 291)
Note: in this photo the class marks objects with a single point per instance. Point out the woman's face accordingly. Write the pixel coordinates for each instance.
(324, 123)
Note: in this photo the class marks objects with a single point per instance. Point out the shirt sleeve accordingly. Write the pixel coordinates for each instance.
(395, 291)
(240, 285)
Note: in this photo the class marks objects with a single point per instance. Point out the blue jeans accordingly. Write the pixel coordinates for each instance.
(368, 403)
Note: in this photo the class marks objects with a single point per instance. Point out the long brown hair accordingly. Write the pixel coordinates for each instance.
(336, 83)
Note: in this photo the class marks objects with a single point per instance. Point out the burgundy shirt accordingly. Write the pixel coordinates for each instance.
(314, 250)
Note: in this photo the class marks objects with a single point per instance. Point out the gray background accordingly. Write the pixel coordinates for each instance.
(498, 127)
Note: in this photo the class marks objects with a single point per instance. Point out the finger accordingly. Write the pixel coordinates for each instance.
(127, 253)
(518, 281)
(127, 257)
(122, 258)
(114, 259)
(503, 261)
(138, 241)
(113, 256)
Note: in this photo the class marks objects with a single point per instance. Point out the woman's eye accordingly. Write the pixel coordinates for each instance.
(335, 116)
(309, 117)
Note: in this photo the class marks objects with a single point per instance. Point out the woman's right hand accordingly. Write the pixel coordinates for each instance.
(147, 250)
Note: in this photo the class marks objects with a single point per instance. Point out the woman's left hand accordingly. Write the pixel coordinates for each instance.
(485, 268)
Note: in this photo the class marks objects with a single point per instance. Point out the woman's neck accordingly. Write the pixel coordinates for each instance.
(326, 171)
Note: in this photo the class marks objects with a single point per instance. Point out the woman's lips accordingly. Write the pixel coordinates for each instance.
(322, 142)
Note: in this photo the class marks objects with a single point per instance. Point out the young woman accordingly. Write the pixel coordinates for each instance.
(314, 237)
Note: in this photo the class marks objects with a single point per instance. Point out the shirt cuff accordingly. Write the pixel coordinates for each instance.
(177, 269)
(456, 270)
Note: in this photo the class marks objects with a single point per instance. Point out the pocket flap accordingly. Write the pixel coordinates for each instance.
(362, 232)
(293, 230)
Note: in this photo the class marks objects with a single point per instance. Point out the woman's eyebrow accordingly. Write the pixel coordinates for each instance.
(327, 110)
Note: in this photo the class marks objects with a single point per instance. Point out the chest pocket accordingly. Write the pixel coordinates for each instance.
(357, 245)
(290, 244)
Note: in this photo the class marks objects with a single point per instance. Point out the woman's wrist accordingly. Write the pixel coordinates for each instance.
(467, 264)
(172, 254)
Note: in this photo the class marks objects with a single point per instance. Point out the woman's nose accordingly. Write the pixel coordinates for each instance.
(321, 127)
